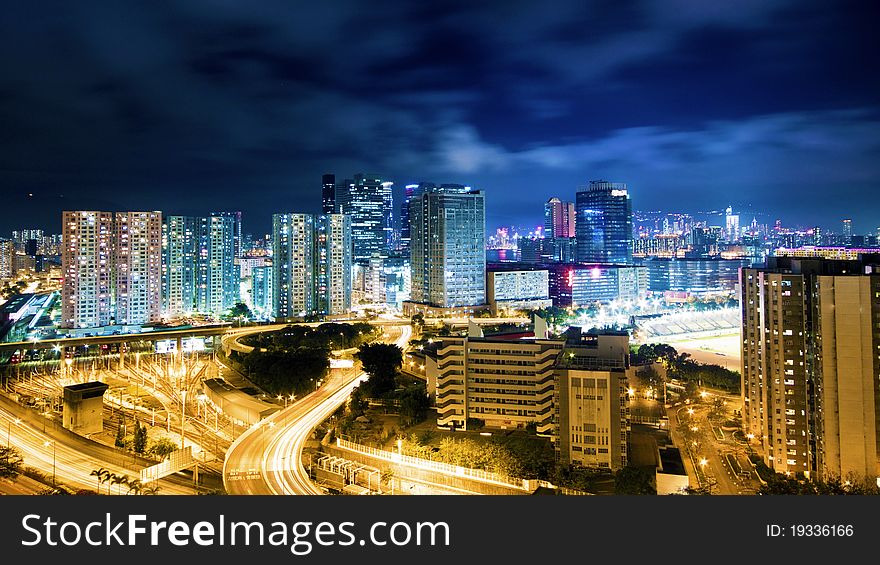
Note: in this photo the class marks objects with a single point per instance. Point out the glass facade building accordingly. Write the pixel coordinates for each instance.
(604, 223)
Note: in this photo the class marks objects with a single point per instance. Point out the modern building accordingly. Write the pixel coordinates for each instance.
(328, 194)
(367, 199)
(261, 291)
(510, 290)
(809, 364)
(294, 261)
(448, 259)
(7, 250)
(88, 265)
(334, 255)
(731, 225)
(694, 276)
(199, 272)
(180, 258)
(138, 267)
(847, 232)
(559, 219)
(237, 240)
(844, 253)
(604, 223)
(579, 284)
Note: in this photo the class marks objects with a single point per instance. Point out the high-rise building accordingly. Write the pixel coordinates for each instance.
(216, 272)
(448, 258)
(180, 258)
(731, 225)
(138, 267)
(847, 232)
(559, 219)
(328, 194)
(367, 199)
(198, 271)
(604, 223)
(237, 241)
(809, 365)
(7, 251)
(261, 293)
(294, 262)
(410, 192)
(87, 263)
(334, 264)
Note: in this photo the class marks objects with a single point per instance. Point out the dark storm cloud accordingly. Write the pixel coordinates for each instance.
(188, 107)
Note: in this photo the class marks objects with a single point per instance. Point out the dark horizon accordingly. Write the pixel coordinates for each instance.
(200, 107)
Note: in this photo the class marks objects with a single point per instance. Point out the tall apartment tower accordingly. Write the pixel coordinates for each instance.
(138, 267)
(847, 231)
(237, 240)
(328, 194)
(180, 257)
(87, 263)
(7, 252)
(216, 271)
(294, 265)
(811, 396)
(559, 219)
(603, 225)
(334, 264)
(367, 199)
(448, 257)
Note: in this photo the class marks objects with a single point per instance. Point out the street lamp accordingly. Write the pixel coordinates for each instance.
(690, 411)
(704, 462)
(46, 444)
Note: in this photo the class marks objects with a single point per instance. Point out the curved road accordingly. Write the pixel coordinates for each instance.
(267, 458)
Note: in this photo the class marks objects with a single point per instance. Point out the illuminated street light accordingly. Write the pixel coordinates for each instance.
(631, 392)
(690, 411)
(695, 429)
(704, 462)
(703, 394)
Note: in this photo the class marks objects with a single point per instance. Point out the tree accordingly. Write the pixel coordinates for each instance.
(103, 475)
(634, 480)
(140, 438)
(417, 320)
(120, 436)
(162, 448)
(381, 361)
(118, 480)
(135, 486)
(239, 311)
(11, 463)
(414, 404)
(151, 489)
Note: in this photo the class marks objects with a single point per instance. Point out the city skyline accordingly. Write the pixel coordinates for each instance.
(702, 106)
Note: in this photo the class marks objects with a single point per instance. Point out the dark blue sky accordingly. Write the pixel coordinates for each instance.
(192, 106)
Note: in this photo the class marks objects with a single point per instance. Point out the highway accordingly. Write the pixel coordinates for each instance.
(267, 458)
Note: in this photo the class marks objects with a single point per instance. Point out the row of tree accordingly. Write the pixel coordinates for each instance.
(133, 486)
(681, 366)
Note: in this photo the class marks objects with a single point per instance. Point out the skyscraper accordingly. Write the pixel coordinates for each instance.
(559, 219)
(328, 194)
(731, 224)
(334, 264)
(138, 267)
(180, 257)
(604, 223)
(87, 263)
(810, 365)
(236, 231)
(261, 285)
(448, 258)
(199, 272)
(368, 201)
(847, 232)
(294, 263)
(7, 251)
(216, 272)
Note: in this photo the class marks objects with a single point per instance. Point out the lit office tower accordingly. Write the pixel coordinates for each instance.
(559, 218)
(180, 256)
(448, 258)
(809, 365)
(236, 230)
(138, 267)
(7, 251)
(334, 264)
(731, 225)
(216, 271)
(328, 194)
(293, 245)
(367, 200)
(87, 264)
(603, 225)
(847, 232)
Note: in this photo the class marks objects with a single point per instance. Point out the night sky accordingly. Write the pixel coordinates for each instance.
(189, 107)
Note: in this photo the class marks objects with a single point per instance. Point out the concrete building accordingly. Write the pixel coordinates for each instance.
(216, 271)
(294, 263)
(448, 258)
(592, 426)
(138, 267)
(583, 284)
(7, 250)
(334, 264)
(261, 291)
(83, 407)
(507, 384)
(88, 264)
(180, 256)
(509, 290)
(810, 365)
